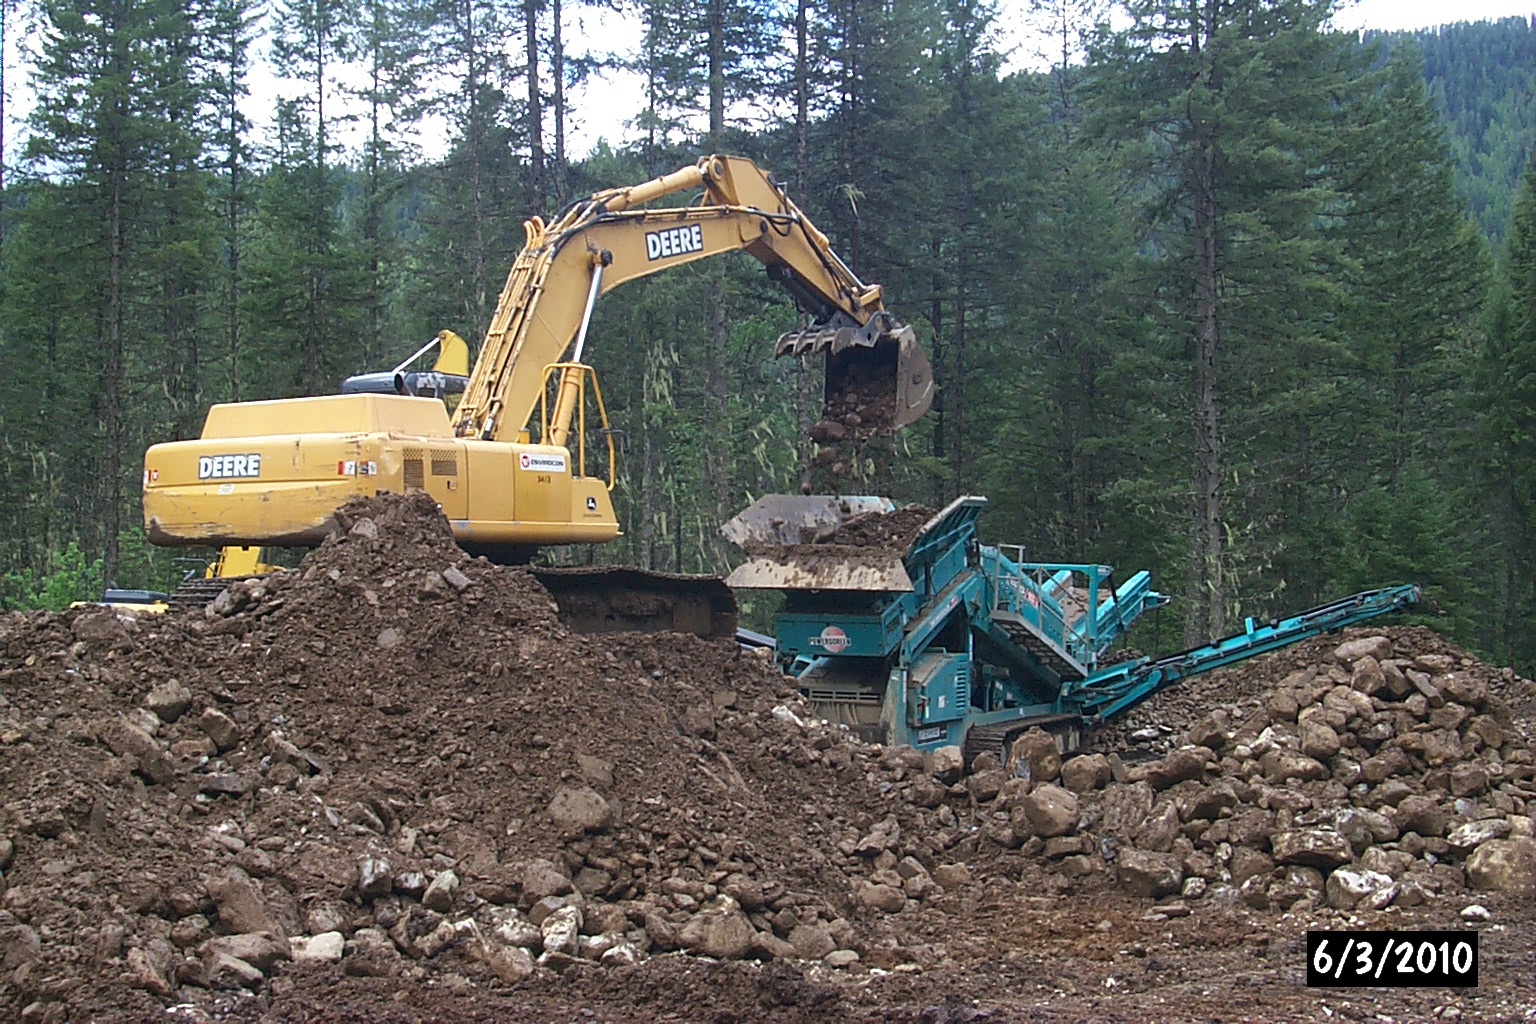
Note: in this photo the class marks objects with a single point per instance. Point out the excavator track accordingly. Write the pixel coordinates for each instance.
(200, 590)
(999, 736)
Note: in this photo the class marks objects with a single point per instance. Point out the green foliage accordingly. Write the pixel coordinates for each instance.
(1373, 374)
(67, 578)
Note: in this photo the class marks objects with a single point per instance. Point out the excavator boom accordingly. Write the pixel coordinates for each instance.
(874, 363)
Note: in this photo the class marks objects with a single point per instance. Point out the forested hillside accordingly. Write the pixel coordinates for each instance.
(1204, 298)
(1483, 76)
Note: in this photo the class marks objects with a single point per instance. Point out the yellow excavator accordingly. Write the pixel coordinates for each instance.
(510, 468)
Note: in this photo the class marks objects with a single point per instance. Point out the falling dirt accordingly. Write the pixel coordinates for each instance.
(389, 786)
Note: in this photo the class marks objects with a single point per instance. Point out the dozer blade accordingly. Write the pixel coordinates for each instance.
(618, 599)
(877, 377)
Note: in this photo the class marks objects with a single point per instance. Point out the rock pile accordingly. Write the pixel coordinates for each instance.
(1382, 771)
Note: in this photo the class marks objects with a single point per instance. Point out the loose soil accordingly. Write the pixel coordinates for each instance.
(393, 700)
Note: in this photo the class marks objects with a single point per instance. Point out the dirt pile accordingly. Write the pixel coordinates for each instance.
(868, 535)
(394, 757)
(390, 778)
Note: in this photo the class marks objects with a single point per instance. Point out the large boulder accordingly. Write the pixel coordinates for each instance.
(1051, 810)
(1318, 740)
(722, 932)
(1368, 677)
(947, 764)
(1475, 833)
(1421, 814)
(169, 700)
(1179, 766)
(1319, 848)
(259, 949)
(1503, 865)
(811, 941)
(240, 903)
(1346, 887)
(1281, 765)
(1375, 647)
(1086, 773)
(541, 878)
(885, 898)
(1126, 807)
(1149, 875)
(1037, 748)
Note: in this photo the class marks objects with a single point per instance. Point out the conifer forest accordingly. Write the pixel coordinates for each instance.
(1217, 291)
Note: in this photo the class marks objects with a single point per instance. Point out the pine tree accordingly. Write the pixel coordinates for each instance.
(1235, 105)
(112, 78)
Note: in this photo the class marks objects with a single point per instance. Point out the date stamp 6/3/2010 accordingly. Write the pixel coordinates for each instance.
(1357, 959)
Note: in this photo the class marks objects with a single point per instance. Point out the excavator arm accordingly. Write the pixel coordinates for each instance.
(875, 369)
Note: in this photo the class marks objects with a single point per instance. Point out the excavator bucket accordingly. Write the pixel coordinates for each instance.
(877, 378)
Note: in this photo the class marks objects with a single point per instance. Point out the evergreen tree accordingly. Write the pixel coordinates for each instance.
(1235, 106)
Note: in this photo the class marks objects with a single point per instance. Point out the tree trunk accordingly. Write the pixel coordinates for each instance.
(371, 209)
(557, 59)
(1205, 589)
(535, 110)
(112, 364)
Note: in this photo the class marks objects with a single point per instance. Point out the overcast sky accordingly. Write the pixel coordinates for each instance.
(603, 107)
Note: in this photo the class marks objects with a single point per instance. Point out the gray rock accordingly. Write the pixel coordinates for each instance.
(1160, 830)
(577, 809)
(1421, 814)
(1085, 773)
(1246, 864)
(259, 949)
(439, 895)
(1475, 833)
(456, 579)
(1346, 887)
(1149, 875)
(510, 964)
(721, 932)
(542, 878)
(1368, 677)
(811, 942)
(327, 948)
(1179, 766)
(219, 728)
(947, 764)
(240, 904)
(373, 877)
(228, 972)
(841, 958)
(884, 836)
(1299, 882)
(169, 700)
(983, 786)
(562, 931)
(1318, 740)
(1503, 865)
(1037, 748)
(1318, 848)
(882, 897)
(1051, 810)
(952, 876)
(127, 740)
(1374, 647)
